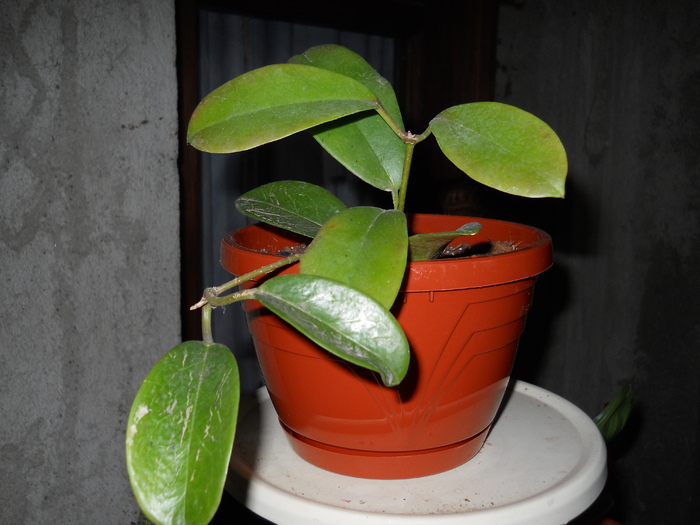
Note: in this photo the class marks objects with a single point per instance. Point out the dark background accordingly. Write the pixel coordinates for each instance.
(620, 83)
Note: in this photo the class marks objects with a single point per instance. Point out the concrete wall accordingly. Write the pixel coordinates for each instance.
(89, 248)
(620, 82)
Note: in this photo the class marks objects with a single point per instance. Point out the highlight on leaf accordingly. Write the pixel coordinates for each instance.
(341, 319)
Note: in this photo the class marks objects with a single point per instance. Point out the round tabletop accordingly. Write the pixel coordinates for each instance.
(543, 463)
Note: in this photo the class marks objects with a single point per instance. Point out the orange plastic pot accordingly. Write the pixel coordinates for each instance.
(462, 317)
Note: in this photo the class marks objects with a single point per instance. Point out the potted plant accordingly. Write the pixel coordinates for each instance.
(337, 298)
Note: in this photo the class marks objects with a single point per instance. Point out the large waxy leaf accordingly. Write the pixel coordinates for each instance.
(367, 147)
(364, 144)
(293, 205)
(344, 321)
(341, 60)
(503, 147)
(180, 433)
(271, 103)
(364, 247)
(426, 246)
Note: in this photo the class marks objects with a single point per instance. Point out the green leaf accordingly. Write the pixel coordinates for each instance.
(614, 417)
(503, 147)
(426, 246)
(345, 62)
(344, 321)
(296, 206)
(368, 148)
(364, 247)
(180, 433)
(364, 144)
(271, 103)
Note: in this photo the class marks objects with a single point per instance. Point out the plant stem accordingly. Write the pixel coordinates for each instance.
(410, 140)
(206, 324)
(214, 300)
(404, 176)
(211, 295)
(256, 273)
(392, 123)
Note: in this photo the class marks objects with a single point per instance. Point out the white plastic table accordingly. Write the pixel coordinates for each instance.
(544, 463)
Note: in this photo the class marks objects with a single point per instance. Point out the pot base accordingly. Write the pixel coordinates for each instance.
(385, 465)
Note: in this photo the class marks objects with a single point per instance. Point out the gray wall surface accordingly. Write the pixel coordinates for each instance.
(89, 246)
(620, 82)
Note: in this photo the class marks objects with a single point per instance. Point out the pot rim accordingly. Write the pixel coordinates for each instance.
(241, 253)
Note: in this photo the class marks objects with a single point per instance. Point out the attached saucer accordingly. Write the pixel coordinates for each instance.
(543, 463)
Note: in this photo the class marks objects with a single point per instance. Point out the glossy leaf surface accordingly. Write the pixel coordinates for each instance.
(344, 321)
(364, 247)
(271, 103)
(503, 147)
(426, 246)
(180, 433)
(292, 205)
(364, 144)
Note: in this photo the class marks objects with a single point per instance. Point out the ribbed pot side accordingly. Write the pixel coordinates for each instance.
(463, 318)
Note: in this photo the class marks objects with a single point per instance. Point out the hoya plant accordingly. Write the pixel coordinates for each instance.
(182, 424)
